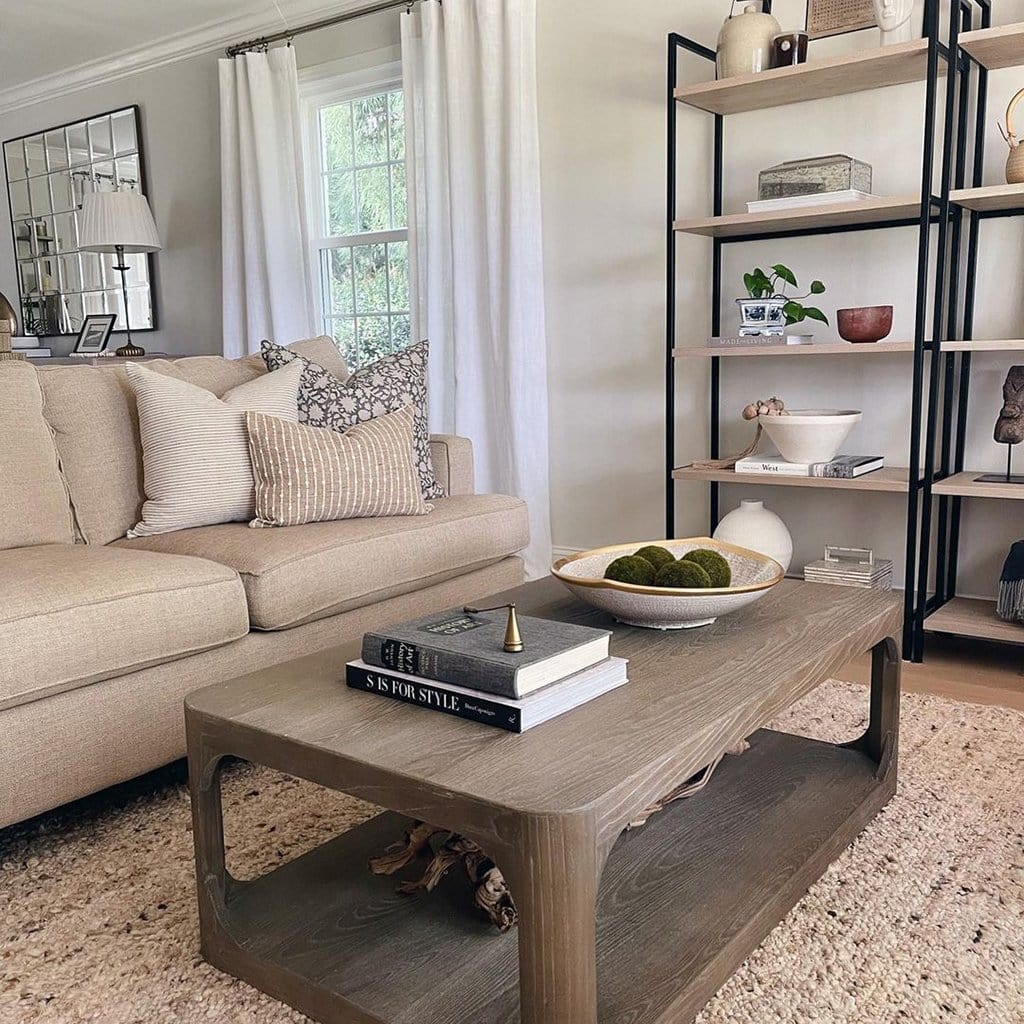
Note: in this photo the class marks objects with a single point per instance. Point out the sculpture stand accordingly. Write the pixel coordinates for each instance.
(1001, 478)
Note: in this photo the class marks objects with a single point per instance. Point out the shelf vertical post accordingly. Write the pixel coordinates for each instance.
(670, 288)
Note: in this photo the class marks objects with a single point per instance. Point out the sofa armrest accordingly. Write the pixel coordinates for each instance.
(452, 458)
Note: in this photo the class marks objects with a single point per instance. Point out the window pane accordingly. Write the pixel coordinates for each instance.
(373, 338)
(339, 194)
(370, 120)
(343, 330)
(374, 201)
(398, 275)
(56, 149)
(336, 136)
(399, 213)
(14, 154)
(401, 331)
(371, 278)
(338, 296)
(396, 117)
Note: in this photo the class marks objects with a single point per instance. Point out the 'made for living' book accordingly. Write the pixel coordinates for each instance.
(500, 712)
(466, 650)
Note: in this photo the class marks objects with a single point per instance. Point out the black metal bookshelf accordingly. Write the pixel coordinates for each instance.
(936, 438)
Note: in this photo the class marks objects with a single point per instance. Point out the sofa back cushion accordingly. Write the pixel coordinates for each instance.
(92, 412)
(34, 506)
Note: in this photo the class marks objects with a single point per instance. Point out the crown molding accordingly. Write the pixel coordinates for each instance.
(214, 35)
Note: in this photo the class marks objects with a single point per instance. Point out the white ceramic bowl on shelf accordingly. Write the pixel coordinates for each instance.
(753, 575)
(810, 435)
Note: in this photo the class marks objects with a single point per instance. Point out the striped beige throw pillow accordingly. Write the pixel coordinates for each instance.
(195, 449)
(314, 474)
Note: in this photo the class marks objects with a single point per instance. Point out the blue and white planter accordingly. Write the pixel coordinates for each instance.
(762, 316)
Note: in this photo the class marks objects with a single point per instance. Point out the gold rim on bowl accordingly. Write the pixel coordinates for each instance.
(634, 588)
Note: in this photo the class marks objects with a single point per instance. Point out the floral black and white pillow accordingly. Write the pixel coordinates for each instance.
(383, 387)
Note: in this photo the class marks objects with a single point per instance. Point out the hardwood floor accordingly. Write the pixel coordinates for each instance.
(968, 670)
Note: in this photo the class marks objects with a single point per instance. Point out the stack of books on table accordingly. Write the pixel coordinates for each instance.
(455, 663)
(851, 567)
(29, 347)
(842, 467)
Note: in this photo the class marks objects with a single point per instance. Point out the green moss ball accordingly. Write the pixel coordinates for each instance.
(631, 569)
(687, 575)
(657, 556)
(713, 564)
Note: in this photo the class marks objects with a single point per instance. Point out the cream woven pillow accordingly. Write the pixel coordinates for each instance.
(315, 475)
(195, 450)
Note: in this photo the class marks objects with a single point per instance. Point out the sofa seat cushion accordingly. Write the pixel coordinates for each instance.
(76, 614)
(298, 574)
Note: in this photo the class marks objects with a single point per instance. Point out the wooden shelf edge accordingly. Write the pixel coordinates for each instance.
(884, 210)
(836, 348)
(890, 480)
(877, 68)
(973, 617)
(999, 47)
(990, 197)
(1008, 345)
(965, 485)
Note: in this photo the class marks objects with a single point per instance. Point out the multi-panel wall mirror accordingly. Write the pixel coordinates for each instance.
(48, 173)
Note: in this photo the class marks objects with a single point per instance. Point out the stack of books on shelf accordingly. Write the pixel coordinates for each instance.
(804, 202)
(455, 663)
(842, 467)
(30, 348)
(851, 567)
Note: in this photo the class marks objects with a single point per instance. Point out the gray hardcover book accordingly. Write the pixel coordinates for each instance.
(466, 650)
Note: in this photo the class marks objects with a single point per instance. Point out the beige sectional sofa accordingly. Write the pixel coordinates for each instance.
(101, 637)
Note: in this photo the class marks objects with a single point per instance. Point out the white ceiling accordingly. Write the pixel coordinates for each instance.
(40, 40)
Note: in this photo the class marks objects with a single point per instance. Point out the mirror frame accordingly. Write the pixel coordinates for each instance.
(143, 188)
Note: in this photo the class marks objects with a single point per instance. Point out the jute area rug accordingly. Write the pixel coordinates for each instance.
(921, 921)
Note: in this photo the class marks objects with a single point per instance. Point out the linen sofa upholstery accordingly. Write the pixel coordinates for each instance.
(298, 574)
(33, 496)
(453, 463)
(85, 613)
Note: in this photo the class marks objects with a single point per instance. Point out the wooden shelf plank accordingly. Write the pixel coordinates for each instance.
(999, 47)
(974, 618)
(825, 348)
(891, 480)
(1000, 345)
(326, 936)
(837, 76)
(965, 485)
(992, 197)
(883, 210)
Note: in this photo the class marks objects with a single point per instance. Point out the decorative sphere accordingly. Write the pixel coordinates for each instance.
(685, 575)
(713, 564)
(631, 569)
(656, 555)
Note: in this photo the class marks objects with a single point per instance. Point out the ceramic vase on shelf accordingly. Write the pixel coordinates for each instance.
(745, 43)
(893, 18)
(755, 527)
(1015, 161)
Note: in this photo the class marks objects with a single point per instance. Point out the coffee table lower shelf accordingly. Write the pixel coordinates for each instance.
(682, 902)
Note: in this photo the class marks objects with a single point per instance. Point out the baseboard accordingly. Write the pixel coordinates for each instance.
(557, 552)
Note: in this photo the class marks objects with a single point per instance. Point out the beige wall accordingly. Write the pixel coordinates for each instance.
(602, 121)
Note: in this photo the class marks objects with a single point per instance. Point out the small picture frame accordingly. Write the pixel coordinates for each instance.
(92, 338)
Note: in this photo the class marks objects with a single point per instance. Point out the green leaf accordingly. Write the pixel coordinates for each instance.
(785, 273)
(813, 313)
(817, 288)
(750, 283)
(794, 313)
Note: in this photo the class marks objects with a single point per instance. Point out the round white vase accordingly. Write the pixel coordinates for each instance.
(755, 527)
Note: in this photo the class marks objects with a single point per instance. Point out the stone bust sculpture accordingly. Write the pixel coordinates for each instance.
(894, 19)
(1010, 425)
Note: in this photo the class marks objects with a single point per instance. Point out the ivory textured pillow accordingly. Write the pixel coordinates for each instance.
(195, 449)
(315, 475)
(383, 387)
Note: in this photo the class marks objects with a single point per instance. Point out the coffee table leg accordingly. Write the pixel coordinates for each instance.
(553, 874)
(880, 741)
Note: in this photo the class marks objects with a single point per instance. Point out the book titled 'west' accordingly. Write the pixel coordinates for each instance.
(467, 650)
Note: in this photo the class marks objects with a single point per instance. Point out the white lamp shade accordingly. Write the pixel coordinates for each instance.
(112, 219)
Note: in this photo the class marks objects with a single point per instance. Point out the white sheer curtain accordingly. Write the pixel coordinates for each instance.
(266, 262)
(469, 71)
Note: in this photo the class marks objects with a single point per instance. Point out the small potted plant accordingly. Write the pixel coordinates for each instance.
(768, 310)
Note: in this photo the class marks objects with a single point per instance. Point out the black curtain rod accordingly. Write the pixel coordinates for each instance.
(287, 34)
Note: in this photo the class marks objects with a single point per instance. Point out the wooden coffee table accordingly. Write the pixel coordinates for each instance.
(615, 927)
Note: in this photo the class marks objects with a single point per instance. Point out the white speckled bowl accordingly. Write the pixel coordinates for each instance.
(753, 575)
(810, 435)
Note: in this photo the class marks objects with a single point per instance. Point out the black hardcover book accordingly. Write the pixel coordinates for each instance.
(500, 712)
(467, 650)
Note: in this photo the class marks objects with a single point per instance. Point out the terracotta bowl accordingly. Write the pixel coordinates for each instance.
(864, 324)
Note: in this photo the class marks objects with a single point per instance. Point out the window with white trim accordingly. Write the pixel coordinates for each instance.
(356, 194)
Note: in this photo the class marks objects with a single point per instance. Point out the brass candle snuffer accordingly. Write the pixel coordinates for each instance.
(513, 639)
